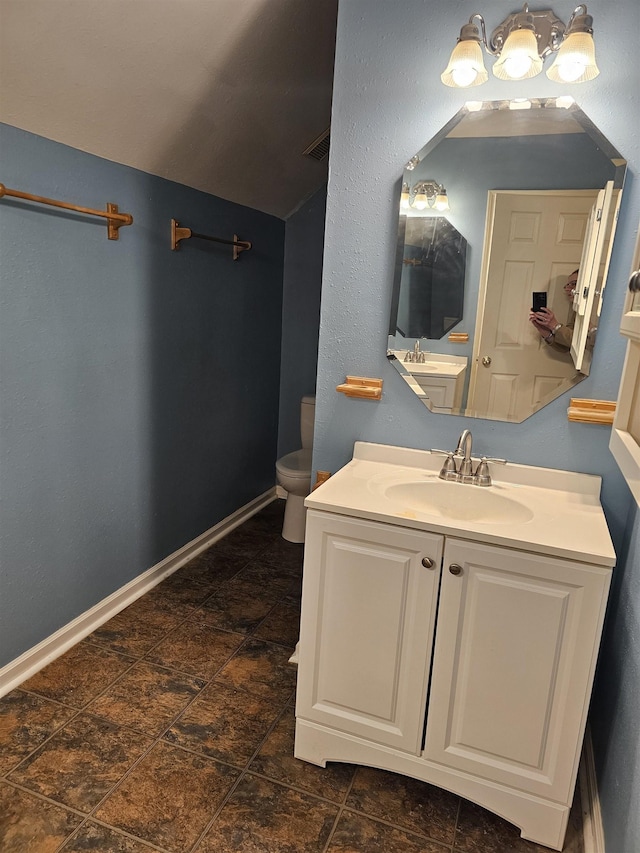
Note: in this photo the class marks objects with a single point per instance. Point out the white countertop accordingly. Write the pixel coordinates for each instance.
(435, 365)
(562, 508)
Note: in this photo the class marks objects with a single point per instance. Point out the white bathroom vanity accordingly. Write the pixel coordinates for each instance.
(450, 632)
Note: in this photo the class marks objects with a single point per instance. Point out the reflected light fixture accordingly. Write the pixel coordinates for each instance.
(521, 43)
(424, 194)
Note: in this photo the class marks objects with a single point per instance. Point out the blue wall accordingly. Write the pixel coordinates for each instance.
(139, 386)
(388, 102)
(615, 719)
(304, 243)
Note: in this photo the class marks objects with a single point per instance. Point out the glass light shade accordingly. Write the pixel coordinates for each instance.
(442, 202)
(420, 201)
(404, 197)
(519, 58)
(576, 60)
(466, 66)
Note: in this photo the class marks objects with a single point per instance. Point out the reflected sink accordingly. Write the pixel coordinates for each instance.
(459, 501)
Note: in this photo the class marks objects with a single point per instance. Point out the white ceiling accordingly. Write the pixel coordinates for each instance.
(220, 95)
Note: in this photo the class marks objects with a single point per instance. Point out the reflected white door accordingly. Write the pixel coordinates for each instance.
(533, 241)
(594, 265)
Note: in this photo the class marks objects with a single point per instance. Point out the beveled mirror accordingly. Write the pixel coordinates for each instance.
(535, 189)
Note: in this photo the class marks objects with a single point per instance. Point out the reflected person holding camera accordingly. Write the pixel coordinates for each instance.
(551, 331)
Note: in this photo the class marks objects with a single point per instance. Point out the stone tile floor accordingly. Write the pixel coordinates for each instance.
(170, 728)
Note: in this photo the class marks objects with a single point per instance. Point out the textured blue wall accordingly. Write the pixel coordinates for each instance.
(139, 386)
(304, 244)
(615, 721)
(388, 102)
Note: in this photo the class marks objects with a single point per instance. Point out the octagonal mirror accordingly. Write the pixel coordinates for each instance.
(535, 189)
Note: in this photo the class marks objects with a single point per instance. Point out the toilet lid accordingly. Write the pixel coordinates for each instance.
(296, 464)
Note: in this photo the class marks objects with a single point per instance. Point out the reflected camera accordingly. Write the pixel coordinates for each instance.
(539, 300)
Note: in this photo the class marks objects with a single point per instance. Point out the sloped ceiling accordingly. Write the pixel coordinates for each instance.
(220, 95)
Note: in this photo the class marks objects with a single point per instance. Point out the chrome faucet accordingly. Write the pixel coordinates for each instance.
(464, 473)
(465, 443)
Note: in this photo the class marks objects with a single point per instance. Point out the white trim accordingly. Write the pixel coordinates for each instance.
(35, 658)
(624, 444)
(592, 828)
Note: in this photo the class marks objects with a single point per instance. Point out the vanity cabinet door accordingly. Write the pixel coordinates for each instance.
(368, 611)
(515, 653)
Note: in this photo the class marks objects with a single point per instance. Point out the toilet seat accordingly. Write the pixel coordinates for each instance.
(296, 465)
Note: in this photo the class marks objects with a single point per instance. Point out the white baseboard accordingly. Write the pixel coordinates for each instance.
(295, 657)
(592, 827)
(34, 659)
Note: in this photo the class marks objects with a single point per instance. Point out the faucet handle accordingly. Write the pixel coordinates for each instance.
(483, 475)
(448, 470)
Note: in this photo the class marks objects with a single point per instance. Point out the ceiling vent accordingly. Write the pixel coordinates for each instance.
(319, 148)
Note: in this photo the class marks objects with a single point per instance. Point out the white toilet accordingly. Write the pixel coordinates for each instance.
(293, 473)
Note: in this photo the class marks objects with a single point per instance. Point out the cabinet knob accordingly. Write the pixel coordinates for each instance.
(455, 569)
(428, 563)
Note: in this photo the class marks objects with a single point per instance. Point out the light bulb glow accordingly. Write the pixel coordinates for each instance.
(420, 201)
(576, 60)
(519, 57)
(520, 104)
(517, 65)
(466, 66)
(463, 75)
(569, 71)
(441, 202)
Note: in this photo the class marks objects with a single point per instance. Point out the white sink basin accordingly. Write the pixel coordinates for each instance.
(459, 502)
(537, 509)
(435, 364)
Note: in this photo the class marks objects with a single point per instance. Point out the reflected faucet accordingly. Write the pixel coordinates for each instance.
(415, 356)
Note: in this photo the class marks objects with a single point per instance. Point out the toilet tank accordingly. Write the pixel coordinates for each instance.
(307, 416)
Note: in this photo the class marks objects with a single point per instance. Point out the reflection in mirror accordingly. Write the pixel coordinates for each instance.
(429, 286)
(535, 188)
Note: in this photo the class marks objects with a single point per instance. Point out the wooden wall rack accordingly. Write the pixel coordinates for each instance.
(115, 220)
(591, 411)
(178, 234)
(361, 386)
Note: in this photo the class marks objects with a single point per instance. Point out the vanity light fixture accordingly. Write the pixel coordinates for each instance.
(424, 194)
(521, 43)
